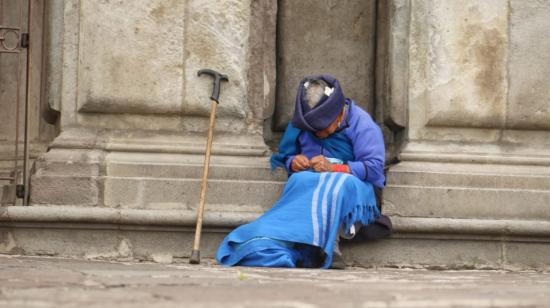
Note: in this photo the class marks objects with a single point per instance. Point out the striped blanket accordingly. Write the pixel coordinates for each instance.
(302, 226)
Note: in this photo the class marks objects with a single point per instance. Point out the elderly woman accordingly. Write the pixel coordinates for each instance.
(334, 155)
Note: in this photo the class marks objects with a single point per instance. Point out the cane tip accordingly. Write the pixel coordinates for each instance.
(195, 257)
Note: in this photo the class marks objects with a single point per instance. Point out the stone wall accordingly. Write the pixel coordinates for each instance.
(136, 64)
(465, 79)
(478, 142)
(477, 72)
(459, 84)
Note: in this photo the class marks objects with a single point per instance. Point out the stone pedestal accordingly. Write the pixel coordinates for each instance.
(134, 113)
(478, 144)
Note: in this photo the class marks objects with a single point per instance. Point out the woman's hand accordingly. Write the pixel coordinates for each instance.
(320, 164)
(299, 163)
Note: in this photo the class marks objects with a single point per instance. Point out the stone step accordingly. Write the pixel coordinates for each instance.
(459, 202)
(154, 181)
(425, 189)
(468, 175)
(194, 171)
(162, 235)
(161, 166)
(221, 195)
(158, 193)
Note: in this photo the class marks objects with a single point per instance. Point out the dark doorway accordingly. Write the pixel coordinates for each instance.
(336, 37)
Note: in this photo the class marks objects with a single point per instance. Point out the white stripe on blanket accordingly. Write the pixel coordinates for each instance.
(335, 197)
(314, 203)
(324, 207)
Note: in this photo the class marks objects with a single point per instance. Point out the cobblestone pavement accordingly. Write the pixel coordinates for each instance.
(56, 282)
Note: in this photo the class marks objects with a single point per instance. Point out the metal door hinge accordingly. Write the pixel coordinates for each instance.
(24, 40)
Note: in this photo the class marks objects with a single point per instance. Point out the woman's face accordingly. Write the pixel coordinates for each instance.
(331, 128)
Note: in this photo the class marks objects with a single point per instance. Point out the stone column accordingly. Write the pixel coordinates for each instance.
(134, 113)
(478, 131)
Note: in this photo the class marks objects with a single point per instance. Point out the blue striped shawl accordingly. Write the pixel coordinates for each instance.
(302, 223)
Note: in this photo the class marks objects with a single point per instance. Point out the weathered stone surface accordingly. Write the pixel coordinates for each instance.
(161, 193)
(60, 190)
(516, 257)
(119, 87)
(465, 157)
(69, 163)
(426, 252)
(7, 242)
(423, 189)
(392, 48)
(458, 53)
(162, 245)
(483, 70)
(216, 37)
(67, 177)
(467, 202)
(262, 58)
(53, 55)
(70, 56)
(81, 242)
(8, 194)
(333, 37)
(128, 103)
(392, 73)
(529, 103)
(57, 282)
(161, 242)
(155, 139)
(117, 44)
(190, 166)
(463, 175)
(165, 175)
(156, 235)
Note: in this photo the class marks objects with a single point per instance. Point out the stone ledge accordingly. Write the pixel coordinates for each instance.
(142, 141)
(476, 158)
(468, 191)
(113, 234)
(67, 214)
(471, 226)
(402, 225)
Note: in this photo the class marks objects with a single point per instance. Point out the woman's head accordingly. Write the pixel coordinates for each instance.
(315, 91)
(319, 105)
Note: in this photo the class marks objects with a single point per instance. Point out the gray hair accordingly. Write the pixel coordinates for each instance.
(315, 90)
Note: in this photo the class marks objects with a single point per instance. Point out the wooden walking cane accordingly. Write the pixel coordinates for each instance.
(218, 78)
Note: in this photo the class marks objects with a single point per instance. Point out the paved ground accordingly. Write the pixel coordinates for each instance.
(55, 282)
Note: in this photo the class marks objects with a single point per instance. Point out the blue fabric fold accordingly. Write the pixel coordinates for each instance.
(288, 146)
(301, 228)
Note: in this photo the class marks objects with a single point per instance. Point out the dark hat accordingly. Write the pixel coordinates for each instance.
(324, 112)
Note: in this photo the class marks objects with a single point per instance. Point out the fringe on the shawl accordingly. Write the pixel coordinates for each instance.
(363, 213)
